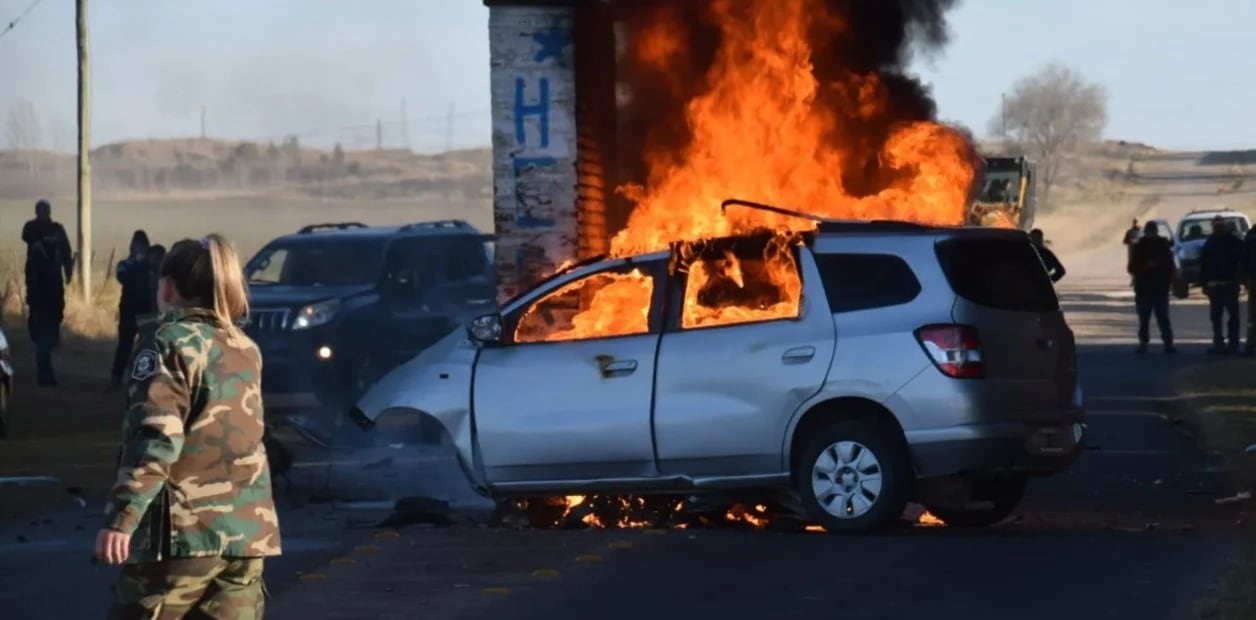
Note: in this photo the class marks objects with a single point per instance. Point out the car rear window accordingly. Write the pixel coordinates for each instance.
(864, 281)
(1006, 274)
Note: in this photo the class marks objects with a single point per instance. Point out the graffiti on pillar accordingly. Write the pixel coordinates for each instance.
(534, 137)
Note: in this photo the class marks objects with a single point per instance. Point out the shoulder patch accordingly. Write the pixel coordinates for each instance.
(145, 365)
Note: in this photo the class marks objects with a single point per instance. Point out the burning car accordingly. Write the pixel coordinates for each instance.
(859, 365)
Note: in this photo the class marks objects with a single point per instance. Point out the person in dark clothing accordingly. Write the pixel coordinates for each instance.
(1055, 269)
(156, 254)
(49, 266)
(1220, 263)
(1249, 275)
(1132, 236)
(1152, 267)
(135, 274)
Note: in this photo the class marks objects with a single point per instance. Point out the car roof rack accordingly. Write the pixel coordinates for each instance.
(458, 224)
(828, 225)
(305, 230)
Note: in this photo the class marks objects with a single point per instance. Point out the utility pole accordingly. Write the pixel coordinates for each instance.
(405, 125)
(84, 153)
(449, 129)
(202, 122)
(379, 134)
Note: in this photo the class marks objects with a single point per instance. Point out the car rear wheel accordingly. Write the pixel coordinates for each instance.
(854, 477)
(992, 501)
(4, 409)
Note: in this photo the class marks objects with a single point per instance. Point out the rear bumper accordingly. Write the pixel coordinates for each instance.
(1034, 449)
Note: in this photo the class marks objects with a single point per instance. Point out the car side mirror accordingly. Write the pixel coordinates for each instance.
(486, 329)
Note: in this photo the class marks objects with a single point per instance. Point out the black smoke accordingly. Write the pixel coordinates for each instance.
(848, 37)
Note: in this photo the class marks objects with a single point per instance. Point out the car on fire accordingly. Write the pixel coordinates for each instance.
(857, 367)
(1193, 231)
(334, 306)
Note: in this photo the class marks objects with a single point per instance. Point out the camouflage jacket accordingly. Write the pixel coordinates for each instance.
(192, 476)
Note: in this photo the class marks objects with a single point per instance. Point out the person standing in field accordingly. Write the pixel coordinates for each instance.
(156, 254)
(1152, 267)
(135, 275)
(1249, 275)
(1132, 234)
(191, 516)
(1220, 264)
(49, 266)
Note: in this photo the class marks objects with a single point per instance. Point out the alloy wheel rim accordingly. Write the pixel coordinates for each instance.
(846, 479)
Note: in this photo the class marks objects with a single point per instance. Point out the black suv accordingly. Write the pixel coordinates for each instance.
(335, 306)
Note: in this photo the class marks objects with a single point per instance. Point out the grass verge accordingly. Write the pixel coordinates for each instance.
(1222, 397)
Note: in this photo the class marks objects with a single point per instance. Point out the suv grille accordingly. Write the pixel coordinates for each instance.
(264, 321)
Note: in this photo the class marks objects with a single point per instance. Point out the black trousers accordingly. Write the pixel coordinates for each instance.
(128, 329)
(1153, 304)
(1223, 300)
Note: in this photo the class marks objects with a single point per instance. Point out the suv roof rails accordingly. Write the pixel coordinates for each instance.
(305, 230)
(462, 224)
(830, 225)
(1218, 210)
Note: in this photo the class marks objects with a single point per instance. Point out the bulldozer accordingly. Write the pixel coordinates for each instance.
(1003, 194)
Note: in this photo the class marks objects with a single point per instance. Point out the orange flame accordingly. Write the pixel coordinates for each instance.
(764, 128)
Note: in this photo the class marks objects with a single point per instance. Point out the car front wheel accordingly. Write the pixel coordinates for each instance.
(854, 477)
(993, 500)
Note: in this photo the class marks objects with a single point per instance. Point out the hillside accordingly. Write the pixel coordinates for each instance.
(217, 167)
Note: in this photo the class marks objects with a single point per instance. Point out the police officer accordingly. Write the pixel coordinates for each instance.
(49, 266)
(1220, 263)
(191, 514)
(135, 276)
(1249, 274)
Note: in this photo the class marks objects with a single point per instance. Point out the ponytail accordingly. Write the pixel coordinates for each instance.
(207, 274)
(230, 299)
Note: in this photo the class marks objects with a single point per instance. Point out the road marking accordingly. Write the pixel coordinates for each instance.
(620, 544)
(655, 532)
(366, 549)
(343, 561)
(589, 557)
(1120, 413)
(313, 577)
(1108, 452)
(386, 534)
(545, 572)
(498, 591)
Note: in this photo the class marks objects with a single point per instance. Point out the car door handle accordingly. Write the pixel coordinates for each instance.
(617, 368)
(798, 355)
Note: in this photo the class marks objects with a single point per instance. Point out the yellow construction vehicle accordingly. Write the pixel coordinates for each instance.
(1003, 194)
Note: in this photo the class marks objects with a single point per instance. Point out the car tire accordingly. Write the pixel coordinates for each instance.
(4, 409)
(1181, 289)
(1002, 496)
(854, 477)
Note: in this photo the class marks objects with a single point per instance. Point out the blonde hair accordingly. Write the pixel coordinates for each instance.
(207, 274)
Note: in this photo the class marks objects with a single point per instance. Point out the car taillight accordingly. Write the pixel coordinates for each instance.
(954, 349)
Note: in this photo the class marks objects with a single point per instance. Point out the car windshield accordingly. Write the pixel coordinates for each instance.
(1199, 228)
(328, 262)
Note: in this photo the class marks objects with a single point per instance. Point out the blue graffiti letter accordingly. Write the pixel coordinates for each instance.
(552, 42)
(523, 110)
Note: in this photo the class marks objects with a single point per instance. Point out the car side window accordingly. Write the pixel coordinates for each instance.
(736, 281)
(608, 304)
(406, 269)
(855, 282)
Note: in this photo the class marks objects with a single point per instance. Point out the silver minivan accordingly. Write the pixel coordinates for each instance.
(901, 363)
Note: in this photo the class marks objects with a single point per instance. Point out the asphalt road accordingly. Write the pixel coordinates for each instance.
(1131, 531)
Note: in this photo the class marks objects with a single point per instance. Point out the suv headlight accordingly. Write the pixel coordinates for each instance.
(317, 314)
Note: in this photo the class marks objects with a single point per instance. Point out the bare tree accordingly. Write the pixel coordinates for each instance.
(22, 131)
(1050, 115)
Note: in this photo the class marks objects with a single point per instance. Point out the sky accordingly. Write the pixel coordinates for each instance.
(1178, 75)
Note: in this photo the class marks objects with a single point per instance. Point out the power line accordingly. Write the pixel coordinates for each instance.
(12, 24)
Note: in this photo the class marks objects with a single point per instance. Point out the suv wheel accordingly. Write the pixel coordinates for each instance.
(4, 409)
(854, 477)
(997, 497)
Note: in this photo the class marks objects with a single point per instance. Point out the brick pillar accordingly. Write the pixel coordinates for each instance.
(532, 58)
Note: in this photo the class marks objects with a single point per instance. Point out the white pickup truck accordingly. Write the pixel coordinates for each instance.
(1192, 231)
